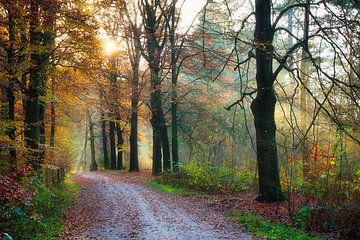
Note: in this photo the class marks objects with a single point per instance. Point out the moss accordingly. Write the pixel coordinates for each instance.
(168, 189)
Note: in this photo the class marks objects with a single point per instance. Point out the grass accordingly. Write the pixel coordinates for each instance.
(41, 218)
(264, 229)
(169, 189)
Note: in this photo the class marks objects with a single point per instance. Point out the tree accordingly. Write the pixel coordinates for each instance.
(14, 14)
(305, 76)
(32, 110)
(134, 52)
(93, 164)
(103, 131)
(112, 98)
(155, 38)
(120, 142)
(263, 106)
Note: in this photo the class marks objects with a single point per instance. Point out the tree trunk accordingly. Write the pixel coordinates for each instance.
(165, 143)
(46, 68)
(263, 107)
(134, 158)
(112, 144)
(155, 39)
(52, 117)
(31, 131)
(93, 164)
(104, 141)
(42, 142)
(10, 97)
(156, 168)
(174, 100)
(304, 76)
(103, 132)
(156, 110)
(120, 143)
(85, 146)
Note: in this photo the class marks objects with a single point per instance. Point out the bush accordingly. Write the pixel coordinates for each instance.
(343, 222)
(40, 217)
(268, 230)
(210, 178)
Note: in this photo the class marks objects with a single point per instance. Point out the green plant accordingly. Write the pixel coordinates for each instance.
(39, 218)
(338, 221)
(168, 189)
(210, 177)
(267, 230)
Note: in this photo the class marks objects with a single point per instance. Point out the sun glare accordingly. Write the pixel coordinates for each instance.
(110, 46)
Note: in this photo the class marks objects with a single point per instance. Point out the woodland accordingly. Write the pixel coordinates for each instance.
(251, 107)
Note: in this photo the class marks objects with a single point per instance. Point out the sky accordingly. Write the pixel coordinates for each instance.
(189, 11)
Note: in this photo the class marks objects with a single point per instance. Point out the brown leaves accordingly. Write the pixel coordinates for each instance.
(11, 192)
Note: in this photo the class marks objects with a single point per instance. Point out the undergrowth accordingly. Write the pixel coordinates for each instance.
(39, 218)
(264, 229)
(209, 177)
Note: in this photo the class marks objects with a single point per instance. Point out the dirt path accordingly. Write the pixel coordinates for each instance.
(109, 207)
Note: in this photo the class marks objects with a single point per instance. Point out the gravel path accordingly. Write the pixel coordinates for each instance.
(109, 208)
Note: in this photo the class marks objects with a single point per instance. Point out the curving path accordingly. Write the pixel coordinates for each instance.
(110, 208)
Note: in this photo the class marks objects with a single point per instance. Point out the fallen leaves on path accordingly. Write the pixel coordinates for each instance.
(119, 207)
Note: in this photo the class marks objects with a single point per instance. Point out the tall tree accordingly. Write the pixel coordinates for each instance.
(93, 164)
(32, 98)
(263, 106)
(134, 52)
(174, 78)
(304, 83)
(155, 39)
(120, 142)
(49, 10)
(9, 103)
(112, 112)
(103, 131)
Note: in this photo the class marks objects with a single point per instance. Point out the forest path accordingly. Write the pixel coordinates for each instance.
(121, 207)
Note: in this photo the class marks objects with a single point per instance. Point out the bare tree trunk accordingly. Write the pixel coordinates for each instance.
(263, 107)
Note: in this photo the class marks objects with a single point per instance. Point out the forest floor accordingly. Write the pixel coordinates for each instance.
(112, 206)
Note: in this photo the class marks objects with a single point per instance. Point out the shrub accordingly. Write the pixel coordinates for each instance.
(40, 217)
(210, 178)
(261, 228)
(343, 222)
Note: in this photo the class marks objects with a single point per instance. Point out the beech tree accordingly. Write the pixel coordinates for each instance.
(263, 106)
(155, 26)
